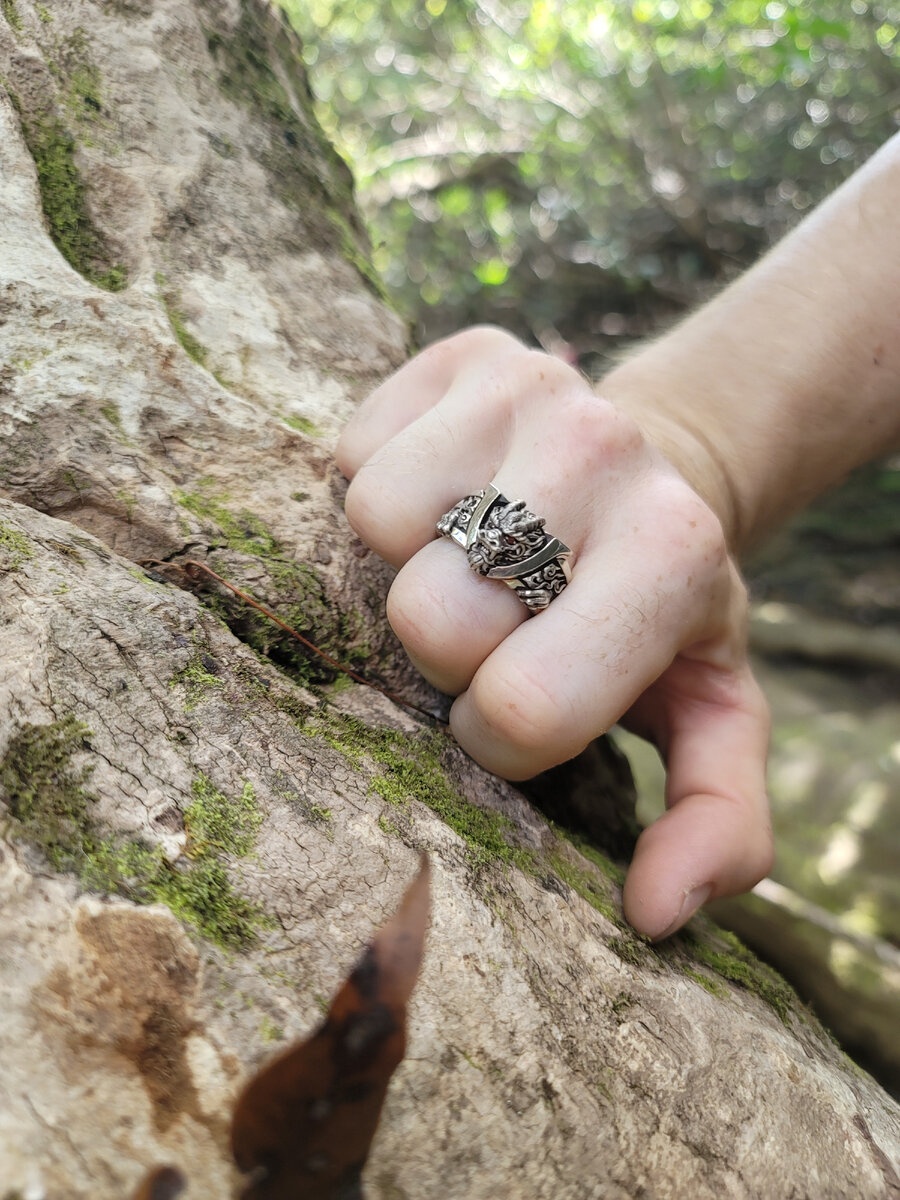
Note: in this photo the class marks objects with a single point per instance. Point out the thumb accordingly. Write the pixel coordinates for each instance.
(716, 837)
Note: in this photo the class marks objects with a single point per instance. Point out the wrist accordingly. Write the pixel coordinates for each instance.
(673, 426)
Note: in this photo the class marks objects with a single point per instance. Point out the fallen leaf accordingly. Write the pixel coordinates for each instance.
(303, 1126)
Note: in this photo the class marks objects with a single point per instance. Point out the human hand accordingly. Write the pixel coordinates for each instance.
(650, 632)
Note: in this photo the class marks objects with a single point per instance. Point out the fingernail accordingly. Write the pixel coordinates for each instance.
(692, 901)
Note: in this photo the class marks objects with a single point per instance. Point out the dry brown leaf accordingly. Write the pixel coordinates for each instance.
(303, 1126)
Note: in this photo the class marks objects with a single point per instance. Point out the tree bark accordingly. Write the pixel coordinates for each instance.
(202, 823)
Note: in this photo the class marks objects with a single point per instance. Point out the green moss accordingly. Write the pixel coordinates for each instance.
(11, 13)
(45, 791)
(300, 496)
(51, 808)
(197, 682)
(14, 546)
(710, 985)
(242, 530)
(342, 684)
(622, 1002)
(387, 826)
(729, 958)
(213, 821)
(302, 600)
(130, 503)
(192, 347)
(303, 425)
(632, 949)
(356, 253)
(44, 14)
(203, 896)
(592, 853)
(64, 201)
(269, 1031)
(84, 90)
(112, 414)
(411, 769)
(79, 80)
(588, 886)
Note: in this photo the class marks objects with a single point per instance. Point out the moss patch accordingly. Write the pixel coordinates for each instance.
(14, 547)
(64, 200)
(111, 413)
(197, 680)
(51, 808)
(729, 958)
(588, 886)
(301, 599)
(705, 981)
(214, 822)
(632, 948)
(192, 347)
(269, 1032)
(11, 13)
(411, 769)
(240, 530)
(84, 98)
(303, 425)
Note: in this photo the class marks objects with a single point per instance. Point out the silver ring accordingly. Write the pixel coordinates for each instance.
(503, 540)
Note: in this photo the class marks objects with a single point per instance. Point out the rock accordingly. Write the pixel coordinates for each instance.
(201, 828)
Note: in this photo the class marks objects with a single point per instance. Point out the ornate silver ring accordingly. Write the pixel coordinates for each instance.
(503, 540)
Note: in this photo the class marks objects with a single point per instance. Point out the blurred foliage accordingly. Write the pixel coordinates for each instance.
(506, 151)
(840, 557)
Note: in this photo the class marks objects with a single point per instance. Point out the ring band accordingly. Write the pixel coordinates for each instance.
(503, 540)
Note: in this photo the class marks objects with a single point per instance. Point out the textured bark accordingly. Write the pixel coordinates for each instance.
(202, 828)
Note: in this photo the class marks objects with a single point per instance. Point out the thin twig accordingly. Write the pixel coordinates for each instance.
(190, 566)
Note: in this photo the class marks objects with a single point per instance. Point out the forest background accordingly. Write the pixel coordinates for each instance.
(582, 174)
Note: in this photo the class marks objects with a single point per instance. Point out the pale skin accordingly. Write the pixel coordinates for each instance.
(658, 479)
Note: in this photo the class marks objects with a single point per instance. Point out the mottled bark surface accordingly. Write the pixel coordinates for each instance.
(200, 827)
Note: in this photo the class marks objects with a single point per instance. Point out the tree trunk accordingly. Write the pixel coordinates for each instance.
(203, 825)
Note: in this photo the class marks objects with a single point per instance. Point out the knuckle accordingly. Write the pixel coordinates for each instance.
(478, 339)
(549, 371)
(690, 530)
(506, 380)
(416, 613)
(598, 434)
(349, 452)
(519, 713)
(362, 509)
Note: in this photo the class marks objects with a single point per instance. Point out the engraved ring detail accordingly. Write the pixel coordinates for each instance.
(503, 540)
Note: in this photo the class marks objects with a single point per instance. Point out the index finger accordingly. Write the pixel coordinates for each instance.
(414, 389)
